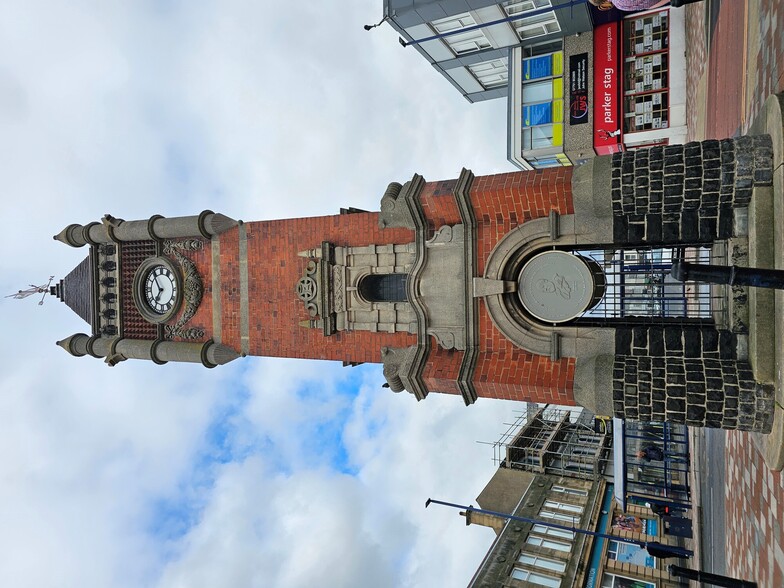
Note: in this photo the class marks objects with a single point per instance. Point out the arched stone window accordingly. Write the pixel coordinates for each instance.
(384, 288)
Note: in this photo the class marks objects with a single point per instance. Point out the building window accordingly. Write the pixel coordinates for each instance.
(384, 288)
(558, 516)
(570, 491)
(542, 101)
(545, 563)
(575, 508)
(646, 72)
(537, 25)
(513, 7)
(461, 43)
(491, 74)
(553, 532)
(613, 581)
(548, 543)
(534, 578)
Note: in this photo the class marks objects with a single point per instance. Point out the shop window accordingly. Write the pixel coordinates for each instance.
(491, 74)
(624, 522)
(646, 72)
(613, 581)
(543, 48)
(542, 98)
(461, 43)
(631, 554)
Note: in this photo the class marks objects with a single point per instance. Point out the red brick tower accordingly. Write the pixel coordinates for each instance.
(395, 286)
(547, 286)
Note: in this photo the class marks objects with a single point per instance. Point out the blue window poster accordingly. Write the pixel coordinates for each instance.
(538, 67)
(537, 114)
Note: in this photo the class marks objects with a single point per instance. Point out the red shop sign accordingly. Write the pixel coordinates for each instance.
(606, 77)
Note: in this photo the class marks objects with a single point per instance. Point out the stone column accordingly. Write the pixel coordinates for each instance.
(688, 375)
(209, 354)
(207, 224)
(686, 193)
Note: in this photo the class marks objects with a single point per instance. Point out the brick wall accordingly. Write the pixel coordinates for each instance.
(273, 271)
(504, 201)
(510, 373)
(501, 203)
(438, 203)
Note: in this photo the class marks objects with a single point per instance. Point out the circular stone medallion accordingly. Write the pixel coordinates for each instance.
(556, 286)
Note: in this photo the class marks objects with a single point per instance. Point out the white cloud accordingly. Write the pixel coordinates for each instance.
(259, 110)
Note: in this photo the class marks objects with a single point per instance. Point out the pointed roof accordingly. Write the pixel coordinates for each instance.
(76, 290)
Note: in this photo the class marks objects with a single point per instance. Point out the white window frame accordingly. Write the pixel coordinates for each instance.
(611, 578)
(461, 43)
(553, 532)
(546, 543)
(513, 7)
(543, 563)
(570, 491)
(564, 506)
(453, 23)
(536, 26)
(534, 578)
(559, 516)
(491, 74)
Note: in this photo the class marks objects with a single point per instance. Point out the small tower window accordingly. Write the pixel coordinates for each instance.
(384, 288)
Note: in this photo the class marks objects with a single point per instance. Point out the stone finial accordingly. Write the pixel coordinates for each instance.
(76, 344)
(72, 235)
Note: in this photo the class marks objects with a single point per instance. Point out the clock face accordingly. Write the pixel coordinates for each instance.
(160, 289)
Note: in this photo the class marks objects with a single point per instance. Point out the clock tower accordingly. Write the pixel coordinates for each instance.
(544, 286)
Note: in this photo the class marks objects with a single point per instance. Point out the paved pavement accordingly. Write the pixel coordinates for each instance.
(734, 61)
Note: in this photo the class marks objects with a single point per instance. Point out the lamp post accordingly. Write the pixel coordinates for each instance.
(654, 548)
(684, 271)
(709, 578)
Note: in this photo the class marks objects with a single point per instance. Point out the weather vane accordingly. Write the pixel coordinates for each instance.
(33, 290)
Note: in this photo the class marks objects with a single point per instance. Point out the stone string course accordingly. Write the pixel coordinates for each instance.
(687, 374)
(686, 193)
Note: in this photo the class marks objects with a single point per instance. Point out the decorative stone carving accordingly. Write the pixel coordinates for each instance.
(193, 291)
(169, 246)
(338, 288)
(396, 204)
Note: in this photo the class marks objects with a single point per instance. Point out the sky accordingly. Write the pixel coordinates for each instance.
(264, 473)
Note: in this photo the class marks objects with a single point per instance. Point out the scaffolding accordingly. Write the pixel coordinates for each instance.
(557, 441)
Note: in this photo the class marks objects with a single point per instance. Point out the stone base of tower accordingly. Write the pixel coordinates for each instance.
(766, 307)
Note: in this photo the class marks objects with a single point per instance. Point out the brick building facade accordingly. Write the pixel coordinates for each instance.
(434, 286)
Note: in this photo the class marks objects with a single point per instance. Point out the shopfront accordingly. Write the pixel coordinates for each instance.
(619, 564)
(609, 90)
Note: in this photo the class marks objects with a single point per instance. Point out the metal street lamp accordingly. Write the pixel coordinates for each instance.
(654, 548)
